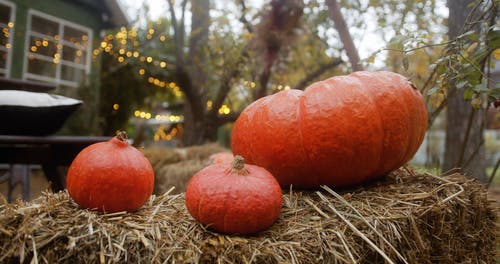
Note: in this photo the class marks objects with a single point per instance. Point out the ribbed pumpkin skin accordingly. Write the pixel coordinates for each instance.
(338, 132)
(231, 203)
(110, 176)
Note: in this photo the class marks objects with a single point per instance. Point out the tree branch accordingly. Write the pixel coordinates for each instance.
(178, 36)
(184, 81)
(227, 79)
(231, 117)
(276, 30)
(243, 19)
(182, 26)
(225, 87)
(271, 54)
(314, 74)
(434, 114)
(466, 138)
(493, 173)
(345, 36)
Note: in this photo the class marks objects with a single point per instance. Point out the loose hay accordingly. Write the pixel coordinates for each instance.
(402, 219)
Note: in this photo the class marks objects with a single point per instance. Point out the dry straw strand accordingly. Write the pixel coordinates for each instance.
(356, 230)
(341, 199)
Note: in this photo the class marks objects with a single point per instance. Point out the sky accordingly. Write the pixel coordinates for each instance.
(158, 7)
(368, 43)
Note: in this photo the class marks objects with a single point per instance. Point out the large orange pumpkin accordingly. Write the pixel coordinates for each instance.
(110, 176)
(338, 132)
(234, 198)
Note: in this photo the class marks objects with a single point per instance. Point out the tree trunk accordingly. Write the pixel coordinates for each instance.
(200, 23)
(200, 124)
(464, 145)
(345, 36)
(195, 88)
(199, 130)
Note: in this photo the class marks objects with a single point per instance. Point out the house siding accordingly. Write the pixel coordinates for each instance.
(76, 12)
(61, 9)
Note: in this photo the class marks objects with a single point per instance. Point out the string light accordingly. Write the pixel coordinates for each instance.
(281, 87)
(158, 117)
(224, 110)
(124, 53)
(161, 135)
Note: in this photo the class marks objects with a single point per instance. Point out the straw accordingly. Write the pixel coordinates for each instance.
(406, 217)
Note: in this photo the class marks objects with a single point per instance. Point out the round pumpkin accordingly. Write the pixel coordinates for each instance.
(234, 198)
(337, 132)
(110, 176)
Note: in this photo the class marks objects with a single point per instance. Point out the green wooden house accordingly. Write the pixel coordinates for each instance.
(52, 41)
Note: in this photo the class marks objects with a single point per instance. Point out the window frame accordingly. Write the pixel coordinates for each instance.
(61, 24)
(8, 64)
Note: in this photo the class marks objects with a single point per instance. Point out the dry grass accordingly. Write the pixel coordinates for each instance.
(404, 218)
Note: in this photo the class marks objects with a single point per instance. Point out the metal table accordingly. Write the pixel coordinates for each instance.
(51, 152)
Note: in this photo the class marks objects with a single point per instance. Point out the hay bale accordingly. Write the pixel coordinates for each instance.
(176, 175)
(175, 166)
(202, 152)
(404, 218)
(161, 156)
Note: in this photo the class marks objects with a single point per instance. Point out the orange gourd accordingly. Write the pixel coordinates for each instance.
(341, 131)
(110, 176)
(234, 198)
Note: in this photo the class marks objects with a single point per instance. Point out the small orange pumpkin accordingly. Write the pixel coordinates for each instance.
(110, 176)
(234, 198)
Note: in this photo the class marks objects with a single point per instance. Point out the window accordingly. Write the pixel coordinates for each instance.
(57, 51)
(7, 11)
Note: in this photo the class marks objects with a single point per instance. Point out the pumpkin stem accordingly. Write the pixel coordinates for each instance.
(238, 165)
(122, 135)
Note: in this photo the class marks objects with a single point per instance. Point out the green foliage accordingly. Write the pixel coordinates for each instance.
(122, 91)
(136, 73)
(84, 121)
(439, 66)
(463, 65)
(311, 49)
